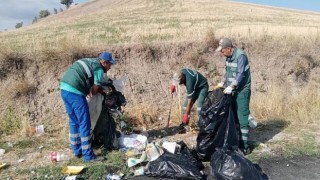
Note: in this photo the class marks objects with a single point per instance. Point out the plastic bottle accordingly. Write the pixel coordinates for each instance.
(113, 177)
(252, 122)
(56, 156)
(39, 130)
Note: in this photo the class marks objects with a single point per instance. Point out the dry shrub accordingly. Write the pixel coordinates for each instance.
(142, 114)
(20, 88)
(282, 102)
(211, 42)
(9, 122)
(193, 57)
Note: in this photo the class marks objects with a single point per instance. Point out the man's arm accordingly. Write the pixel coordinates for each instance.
(189, 106)
(240, 69)
(96, 89)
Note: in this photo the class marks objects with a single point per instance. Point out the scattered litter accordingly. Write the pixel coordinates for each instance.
(169, 146)
(72, 170)
(132, 152)
(3, 165)
(21, 160)
(10, 145)
(153, 151)
(56, 156)
(74, 177)
(139, 171)
(40, 148)
(113, 177)
(133, 161)
(2, 151)
(38, 130)
(133, 141)
(122, 124)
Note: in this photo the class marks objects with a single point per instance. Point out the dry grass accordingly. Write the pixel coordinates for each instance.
(138, 21)
(141, 32)
(298, 107)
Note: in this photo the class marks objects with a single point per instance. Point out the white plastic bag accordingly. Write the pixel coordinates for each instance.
(120, 83)
(95, 107)
(133, 141)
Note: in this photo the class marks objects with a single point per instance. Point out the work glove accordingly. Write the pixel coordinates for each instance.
(173, 88)
(185, 119)
(219, 85)
(228, 90)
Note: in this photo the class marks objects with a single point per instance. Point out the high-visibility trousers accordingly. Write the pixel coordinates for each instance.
(240, 103)
(79, 123)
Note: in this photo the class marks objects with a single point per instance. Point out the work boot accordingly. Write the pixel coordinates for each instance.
(183, 128)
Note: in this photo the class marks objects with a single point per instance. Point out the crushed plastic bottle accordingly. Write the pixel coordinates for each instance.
(113, 177)
(56, 156)
(252, 122)
(38, 130)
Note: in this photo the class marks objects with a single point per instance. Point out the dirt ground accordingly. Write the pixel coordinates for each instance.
(296, 168)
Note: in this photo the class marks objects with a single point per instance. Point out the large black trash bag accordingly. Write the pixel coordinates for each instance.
(104, 133)
(217, 124)
(228, 164)
(181, 165)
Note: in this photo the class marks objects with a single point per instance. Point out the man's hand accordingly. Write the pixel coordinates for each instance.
(173, 88)
(185, 119)
(228, 90)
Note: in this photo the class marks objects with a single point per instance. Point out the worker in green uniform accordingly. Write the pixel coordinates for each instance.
(237, 81)
(197, 90)
(83, 77)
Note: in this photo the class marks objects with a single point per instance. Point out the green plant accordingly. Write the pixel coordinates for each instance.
(9, 123)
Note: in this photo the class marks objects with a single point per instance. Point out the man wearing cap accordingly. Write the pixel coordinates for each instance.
(237, 81)
(197, 90)
(83, 77)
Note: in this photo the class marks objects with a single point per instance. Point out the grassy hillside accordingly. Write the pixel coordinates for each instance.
(105, 22)
(151, 39)
(143, 34)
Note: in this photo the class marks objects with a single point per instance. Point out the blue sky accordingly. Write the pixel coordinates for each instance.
(15, 11)
(308, 5)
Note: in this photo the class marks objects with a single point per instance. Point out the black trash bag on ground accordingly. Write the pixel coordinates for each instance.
(181, 165)
(217, 124)
(105, 133)
(230, 164)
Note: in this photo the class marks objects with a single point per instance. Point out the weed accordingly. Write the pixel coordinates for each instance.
(193, 57)
(23, 144)
(9, 123)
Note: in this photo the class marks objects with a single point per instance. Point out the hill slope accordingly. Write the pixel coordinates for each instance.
(151, 39)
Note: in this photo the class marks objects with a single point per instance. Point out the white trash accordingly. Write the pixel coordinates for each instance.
(153, 151)
(252, 122)
(133, 141)
(169, 146)
(134, 161)
(2, 151)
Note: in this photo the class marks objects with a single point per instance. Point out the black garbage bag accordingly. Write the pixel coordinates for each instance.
(229, 164)
(217, 124)
(105, 133)
(181, 165)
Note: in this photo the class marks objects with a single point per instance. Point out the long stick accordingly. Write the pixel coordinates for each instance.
(170, 110)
